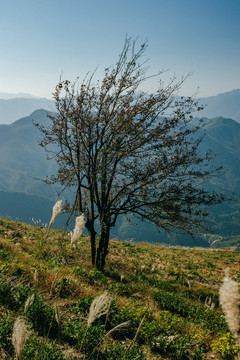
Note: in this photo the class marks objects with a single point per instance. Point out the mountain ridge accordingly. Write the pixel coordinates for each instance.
(12, 109)
(225, 104)
(23, 162)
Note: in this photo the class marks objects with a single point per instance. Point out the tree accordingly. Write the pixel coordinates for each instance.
(123, 151)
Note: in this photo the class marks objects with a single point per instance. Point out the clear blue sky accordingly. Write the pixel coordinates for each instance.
(40, 39)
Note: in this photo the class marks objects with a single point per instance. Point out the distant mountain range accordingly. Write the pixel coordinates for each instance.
(226, 105)
(22, 161)
(15, 106)
(7, 96)
(24, 196)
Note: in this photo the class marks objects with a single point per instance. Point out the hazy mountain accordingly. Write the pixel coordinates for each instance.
(23, 162)
(30, 209)
(7, 96)
(226, 105)
(223, 137)
(15, 106)
(12, 109)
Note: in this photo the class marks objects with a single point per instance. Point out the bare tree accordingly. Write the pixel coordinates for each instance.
(123, 151)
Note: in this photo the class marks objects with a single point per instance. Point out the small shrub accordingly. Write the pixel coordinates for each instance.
(63, 287)
(21, 293)
(166, 285)
(75, 332)
(205, 293)
(150, 332)
(210, 265)
(91, 275)
(82, 305)
(42, 317)
(6, 294)
(119, 315)
(95, 274)
(79, 271)
(16, 270)
(34, 349)
(4, 255)
(212, 319)
(226, 347)
(120, 352)
(6, 327)
(197, 355)
(121, 289)
(92, 339)
(179, 348)
(11, 296)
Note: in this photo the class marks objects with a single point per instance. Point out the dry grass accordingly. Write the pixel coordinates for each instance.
(19, 336)
(230, 301)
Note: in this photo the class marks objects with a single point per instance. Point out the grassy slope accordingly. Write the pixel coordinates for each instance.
(166, 287)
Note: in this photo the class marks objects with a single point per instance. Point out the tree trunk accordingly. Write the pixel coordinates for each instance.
(102, 249)
(92, 233)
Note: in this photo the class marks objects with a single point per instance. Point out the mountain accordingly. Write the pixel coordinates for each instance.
(223, 135)
(15, 106)
(7, 96)
(226, 105)
(23, 163)
(30, 209)
(12, 109)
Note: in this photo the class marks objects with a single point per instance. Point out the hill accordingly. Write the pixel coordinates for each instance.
(22, 207)
(15, 108)
(7, 96)
(22, 161)
(157, 302)
(225, 105)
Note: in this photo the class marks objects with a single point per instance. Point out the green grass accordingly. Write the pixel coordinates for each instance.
(162, 291)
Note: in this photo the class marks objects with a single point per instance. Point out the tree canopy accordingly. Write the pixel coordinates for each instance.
(122, 151)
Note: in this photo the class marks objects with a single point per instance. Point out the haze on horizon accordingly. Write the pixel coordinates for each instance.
(42, 40)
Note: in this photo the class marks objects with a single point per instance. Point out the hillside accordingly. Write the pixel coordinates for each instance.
(22, 161)
(15, 108)
(225, 105)
(164, 300)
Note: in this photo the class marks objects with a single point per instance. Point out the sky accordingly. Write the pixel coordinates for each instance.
(41, 40)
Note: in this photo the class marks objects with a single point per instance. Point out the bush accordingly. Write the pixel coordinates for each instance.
(75, 332)
(123, 314)
(13, 297)
(226, 347)
(4, 255)
(6, 327)
(34, 349)
(6, 295)
(120, 352)
(91, 275)
(42, 317)
(178, 348)
(63, 287)
(82, 305)
(150, 332)
(212, 319)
